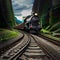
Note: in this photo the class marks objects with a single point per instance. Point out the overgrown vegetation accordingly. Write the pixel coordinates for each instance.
(7, 34)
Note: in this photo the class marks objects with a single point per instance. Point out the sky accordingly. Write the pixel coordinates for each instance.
(22, 7)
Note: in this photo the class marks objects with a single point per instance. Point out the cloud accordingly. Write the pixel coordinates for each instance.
(22, 6)
(18, 14)
(26, 12)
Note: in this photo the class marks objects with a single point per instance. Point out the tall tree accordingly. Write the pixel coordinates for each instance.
(55, 12)
(42, 7)
(6, 14)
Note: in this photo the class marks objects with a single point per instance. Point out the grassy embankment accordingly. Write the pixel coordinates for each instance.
(49, 34)
(7, 34)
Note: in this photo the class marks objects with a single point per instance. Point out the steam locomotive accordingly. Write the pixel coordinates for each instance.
(32, 24)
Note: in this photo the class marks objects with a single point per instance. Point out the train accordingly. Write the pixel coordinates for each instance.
(32, 24)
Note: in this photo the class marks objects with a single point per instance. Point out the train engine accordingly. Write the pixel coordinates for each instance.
(33, 25)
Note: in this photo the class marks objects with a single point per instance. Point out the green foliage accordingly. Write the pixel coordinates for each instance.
(7, 34)
(45, 31)
(44, 20)
(55, 26)
(10, 15)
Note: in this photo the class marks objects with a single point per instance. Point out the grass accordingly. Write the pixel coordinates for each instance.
(49, 34)
(8, 34)
(45, 31)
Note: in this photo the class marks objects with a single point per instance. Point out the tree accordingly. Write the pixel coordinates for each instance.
(6, 14)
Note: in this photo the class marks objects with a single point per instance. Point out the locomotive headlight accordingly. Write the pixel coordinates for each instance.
(36, 14)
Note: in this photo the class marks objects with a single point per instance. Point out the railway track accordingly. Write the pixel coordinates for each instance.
(50, 49)
(50, 40)
(33, 52)
(4, 46)
(32, 47)
(15, 50)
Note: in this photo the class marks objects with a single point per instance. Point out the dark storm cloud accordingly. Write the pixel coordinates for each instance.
(21, 8)
(21, 5)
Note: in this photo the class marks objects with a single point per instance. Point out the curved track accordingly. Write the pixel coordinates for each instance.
(51, 49)
(33, 52)
(16, 49)
(32, 47)
(6, 45)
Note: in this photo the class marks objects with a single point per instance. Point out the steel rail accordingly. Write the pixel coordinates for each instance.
(31, 50)
(49, 39)
(15, 50)
(10, 45)
(49, 48)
